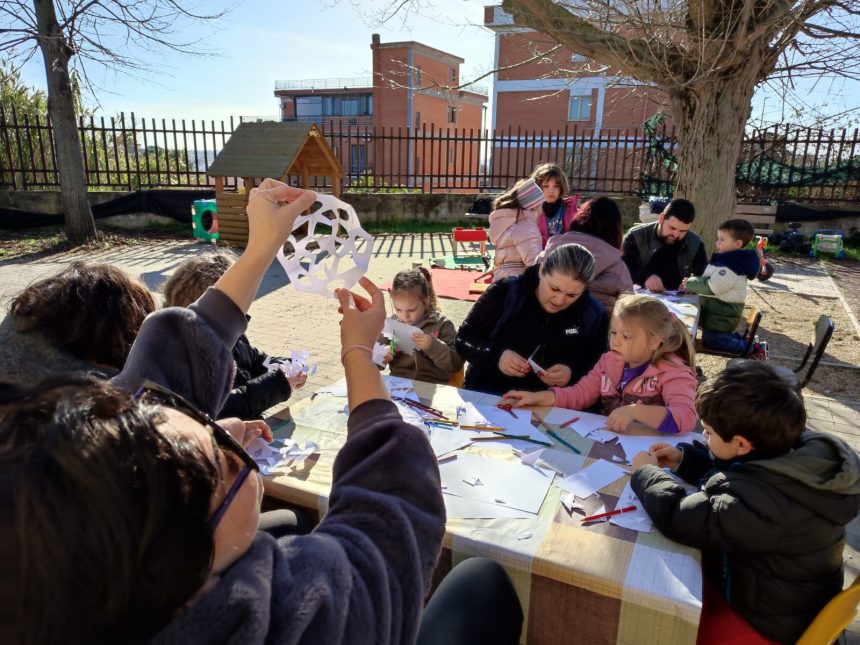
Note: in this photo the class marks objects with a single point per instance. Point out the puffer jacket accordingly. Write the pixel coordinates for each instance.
(516, 236)
(570, 205)
(772, 531)
(611, 276)
(723, 288)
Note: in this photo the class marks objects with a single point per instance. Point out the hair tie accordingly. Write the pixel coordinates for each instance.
(673, 316)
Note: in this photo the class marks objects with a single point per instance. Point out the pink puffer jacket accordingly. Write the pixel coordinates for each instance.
(516, 236)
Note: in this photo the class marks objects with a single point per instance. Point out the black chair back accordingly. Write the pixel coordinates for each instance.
(822, 334)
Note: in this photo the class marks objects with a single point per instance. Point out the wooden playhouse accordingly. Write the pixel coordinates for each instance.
(290, 152)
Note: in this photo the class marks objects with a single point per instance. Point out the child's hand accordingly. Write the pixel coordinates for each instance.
(655, 284)
(642, 458)
(362, 318)
(298, 380)
(667, 456)
(683, 286)
(272, 210)
(519, 399)
(422, 341)
(389, 356)
(556, 376)
(512, 364)
(620, 418)
(246, 431)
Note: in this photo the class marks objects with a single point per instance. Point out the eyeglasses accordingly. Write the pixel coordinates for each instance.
(159, 395)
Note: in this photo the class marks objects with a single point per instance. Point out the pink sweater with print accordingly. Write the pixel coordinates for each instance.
(670, 383)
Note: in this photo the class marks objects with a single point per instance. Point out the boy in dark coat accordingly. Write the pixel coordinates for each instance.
(773, 502)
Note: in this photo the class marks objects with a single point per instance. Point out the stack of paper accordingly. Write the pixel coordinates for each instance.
(483, 484)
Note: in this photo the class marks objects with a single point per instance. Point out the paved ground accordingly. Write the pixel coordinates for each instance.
(283, 319)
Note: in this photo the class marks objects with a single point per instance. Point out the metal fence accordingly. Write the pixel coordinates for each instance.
(127, 153)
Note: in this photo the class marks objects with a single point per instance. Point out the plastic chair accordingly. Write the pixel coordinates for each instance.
(834, 618)
(752, 323)
(458, 379)
(820, 337)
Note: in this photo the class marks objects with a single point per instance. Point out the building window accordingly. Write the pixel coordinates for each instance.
(309, 107)
(357, 158)
(417, 120)
(452, 115)
(453, 74)
(418, 76)
(579, 108)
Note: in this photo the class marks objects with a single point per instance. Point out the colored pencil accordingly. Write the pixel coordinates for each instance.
(555, 436)
(487, 428)
(617, 511)
(568, 422)
(502, 435)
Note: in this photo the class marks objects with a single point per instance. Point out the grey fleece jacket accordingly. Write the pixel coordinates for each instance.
(362, 574)
(772, 530)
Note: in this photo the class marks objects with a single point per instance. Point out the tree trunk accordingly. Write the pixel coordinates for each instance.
(56, 53)
(711, 119)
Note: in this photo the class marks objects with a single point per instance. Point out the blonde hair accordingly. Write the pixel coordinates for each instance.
(546, 171)
(194, 276)
(658, 321)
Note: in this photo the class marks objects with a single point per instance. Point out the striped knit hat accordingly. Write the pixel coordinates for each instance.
(530, 195)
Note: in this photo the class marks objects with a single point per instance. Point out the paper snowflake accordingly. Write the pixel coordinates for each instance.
(333, 252)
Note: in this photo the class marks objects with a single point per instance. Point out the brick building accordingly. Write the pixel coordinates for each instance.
(556, 95)
(398, 124)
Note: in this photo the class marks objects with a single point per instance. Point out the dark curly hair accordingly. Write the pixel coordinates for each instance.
(92, 310)
(109, 517)
(601, 218)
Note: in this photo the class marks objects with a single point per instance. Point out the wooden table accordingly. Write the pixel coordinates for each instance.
(595, 584)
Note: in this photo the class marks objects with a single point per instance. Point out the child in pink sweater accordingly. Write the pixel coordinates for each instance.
(514, 230)
(646, 378)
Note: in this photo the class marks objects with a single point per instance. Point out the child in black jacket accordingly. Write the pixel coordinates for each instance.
(257, 386)
(772, 504)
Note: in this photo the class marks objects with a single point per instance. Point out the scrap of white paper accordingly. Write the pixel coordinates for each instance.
(444, 440)
(537, 368)
(637, 520)
(379, 352)
(402, 334)
(530, 458)
(520, 487)
(335, 389)
(271, 456)
(329, 256)
(587, 422)
(562, 461)
(568, 501)
(590, 480)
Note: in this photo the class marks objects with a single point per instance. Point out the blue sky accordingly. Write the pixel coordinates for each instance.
(261, 42)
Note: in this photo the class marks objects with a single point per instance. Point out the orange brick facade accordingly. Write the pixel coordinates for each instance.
(403, 122)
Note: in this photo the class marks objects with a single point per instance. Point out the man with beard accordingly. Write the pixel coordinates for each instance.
(661, 254)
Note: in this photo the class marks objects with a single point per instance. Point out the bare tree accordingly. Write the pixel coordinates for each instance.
(708, 57)
(79, 33)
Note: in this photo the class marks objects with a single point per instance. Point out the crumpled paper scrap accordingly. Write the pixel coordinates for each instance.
(276, 455)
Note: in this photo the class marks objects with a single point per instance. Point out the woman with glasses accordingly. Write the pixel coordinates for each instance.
(127, 514)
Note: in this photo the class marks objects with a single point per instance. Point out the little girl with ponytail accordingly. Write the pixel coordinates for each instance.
(647, 377)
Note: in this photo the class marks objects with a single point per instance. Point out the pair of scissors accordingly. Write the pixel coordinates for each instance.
(507, 407)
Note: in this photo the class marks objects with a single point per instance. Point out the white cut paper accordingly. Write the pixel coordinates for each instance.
(272, 457)
(537, 368)
(329, 256)
(401, 333)
(335, 389)
(590, 480)
(445, 441)
(568, 501)
(379, 352)
(586, 423)
(637, 520)
(489, 415)
(531, 458)
(562, 461)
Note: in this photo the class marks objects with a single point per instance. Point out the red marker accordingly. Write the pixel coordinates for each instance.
(617, 511)
(567, 423)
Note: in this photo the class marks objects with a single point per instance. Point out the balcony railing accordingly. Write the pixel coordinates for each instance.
(325, 83)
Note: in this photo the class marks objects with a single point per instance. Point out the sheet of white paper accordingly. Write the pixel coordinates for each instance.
(409, 415)
(444, 441)
(591, 479)
(508, 484)
(460, 508)
(519, 424)
(335, 389)
(639, 443)
(586, 423)
(397, 385)
(562, 461)
(324, 413)
(569, 503)
(401, 333)
(637, 520)
(601, 436)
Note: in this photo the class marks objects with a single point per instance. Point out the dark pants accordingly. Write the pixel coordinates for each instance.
(475, 604)
(724, 341)
(282, 521)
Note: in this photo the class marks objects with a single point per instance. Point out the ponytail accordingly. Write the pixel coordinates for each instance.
(419, 280)
(659, 321)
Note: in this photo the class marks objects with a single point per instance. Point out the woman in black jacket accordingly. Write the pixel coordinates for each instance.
(546, 315)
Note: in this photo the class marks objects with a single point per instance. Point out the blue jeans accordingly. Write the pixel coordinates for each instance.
(724, 341)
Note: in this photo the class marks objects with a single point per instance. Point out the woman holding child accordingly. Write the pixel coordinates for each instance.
(546, 315)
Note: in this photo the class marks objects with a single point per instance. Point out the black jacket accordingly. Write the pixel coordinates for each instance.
(509, 316)
(254, 388)
(771, 531)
